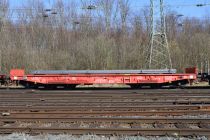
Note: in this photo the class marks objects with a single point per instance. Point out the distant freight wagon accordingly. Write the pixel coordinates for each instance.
(71, 78)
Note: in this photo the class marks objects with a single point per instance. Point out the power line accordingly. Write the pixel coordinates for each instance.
(99, 7)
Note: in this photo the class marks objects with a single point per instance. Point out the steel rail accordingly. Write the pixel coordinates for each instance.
(109, 131)
(64, 108)
(107, 93)
(99, 100)
(114, 113)
(104, 104)
(109, 104)
(181, 99)
(98, 95)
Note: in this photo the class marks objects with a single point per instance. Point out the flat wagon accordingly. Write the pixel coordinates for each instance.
(72, 78)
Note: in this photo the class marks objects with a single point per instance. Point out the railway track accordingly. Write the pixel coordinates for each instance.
(109, 131)
(105, 125)
(109, 119)
(132, 112)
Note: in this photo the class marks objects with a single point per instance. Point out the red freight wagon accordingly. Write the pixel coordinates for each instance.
(134, 78)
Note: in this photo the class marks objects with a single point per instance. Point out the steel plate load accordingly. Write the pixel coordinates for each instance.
(155, 71)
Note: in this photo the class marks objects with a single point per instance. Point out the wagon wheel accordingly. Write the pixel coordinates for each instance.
(135, 86)
(70, 86)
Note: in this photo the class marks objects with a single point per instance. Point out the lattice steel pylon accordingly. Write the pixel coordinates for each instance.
(158, 53)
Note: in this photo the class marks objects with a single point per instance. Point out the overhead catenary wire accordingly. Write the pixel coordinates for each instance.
(98, 7)
(18, 14)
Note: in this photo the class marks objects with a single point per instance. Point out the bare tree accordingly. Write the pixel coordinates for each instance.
(107, 10)
(124, 7)
(67, 36)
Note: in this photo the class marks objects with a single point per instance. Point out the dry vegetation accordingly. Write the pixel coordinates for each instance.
(113, 36)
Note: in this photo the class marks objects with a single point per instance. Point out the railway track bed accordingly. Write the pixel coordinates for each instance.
(112, 112)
